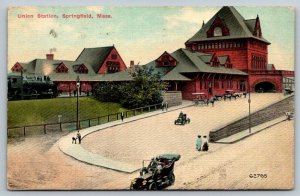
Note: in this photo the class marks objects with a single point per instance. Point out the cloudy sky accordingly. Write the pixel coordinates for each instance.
(139, 33)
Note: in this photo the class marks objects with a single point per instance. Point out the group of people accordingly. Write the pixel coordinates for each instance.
(202, 143)
(78, 137)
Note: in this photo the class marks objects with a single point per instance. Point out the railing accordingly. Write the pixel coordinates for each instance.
(18, 131)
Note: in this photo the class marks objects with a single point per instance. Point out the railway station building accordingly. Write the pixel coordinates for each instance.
(229, 52)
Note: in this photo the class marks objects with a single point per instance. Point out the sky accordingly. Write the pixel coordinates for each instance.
(141, 34)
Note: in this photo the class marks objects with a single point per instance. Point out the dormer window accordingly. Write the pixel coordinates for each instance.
(17, 68)
(217, 32)
(61, 68)
(82, 69)
(166, 60)
(218, 28)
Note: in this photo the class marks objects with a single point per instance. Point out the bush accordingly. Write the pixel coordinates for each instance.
(107, 92)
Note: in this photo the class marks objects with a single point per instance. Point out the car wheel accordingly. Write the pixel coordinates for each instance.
(131, 186)
(153, 186)
(172, 178)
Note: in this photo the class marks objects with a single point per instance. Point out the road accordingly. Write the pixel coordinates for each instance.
(37, 163)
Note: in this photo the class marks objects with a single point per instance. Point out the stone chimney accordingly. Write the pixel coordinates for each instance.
(49, 56)
(131, 63)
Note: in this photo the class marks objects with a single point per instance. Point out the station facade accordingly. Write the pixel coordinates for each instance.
(227, 53)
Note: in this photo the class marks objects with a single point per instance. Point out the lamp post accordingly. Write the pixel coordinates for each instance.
(249, 101)
(22, 89)
(77, 114)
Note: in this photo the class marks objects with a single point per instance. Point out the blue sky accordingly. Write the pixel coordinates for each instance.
(139, 33)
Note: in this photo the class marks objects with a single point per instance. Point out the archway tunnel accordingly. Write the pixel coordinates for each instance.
(265, 87)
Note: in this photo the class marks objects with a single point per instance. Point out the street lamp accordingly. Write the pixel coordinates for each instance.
(78, 87)
(249, 101)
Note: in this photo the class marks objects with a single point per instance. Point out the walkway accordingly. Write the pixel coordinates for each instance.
(78, 152)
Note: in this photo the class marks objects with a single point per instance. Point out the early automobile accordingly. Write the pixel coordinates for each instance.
(157, 175)
(182, 119)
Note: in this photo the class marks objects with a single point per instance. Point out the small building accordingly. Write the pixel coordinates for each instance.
(92, 65)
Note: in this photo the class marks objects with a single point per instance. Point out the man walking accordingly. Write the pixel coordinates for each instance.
(162, 105)
(198, 143)
(122, 116)
(79, 137)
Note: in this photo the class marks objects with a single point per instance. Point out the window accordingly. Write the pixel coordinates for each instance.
(216, 84)
(114, 56)
(200, 84)
(112, 67)
(166, 61)
(217, 32)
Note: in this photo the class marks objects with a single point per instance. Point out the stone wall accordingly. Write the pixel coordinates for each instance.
(173, 98)
(271, 112)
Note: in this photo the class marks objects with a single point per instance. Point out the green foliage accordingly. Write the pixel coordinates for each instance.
(145, 89)
(107, 92)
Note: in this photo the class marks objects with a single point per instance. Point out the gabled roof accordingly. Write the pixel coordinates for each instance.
(174, 75)
(192, 62)
(237, 25)
(94, 56)
(250, 24)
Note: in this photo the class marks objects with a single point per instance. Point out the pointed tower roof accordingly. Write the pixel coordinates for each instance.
(238, 27)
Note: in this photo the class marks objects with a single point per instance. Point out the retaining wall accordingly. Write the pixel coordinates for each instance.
(266, 114)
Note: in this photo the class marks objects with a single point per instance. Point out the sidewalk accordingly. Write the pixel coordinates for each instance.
(77, 152)
(244, 134)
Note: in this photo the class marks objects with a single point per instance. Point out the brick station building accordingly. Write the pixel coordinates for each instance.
(93, 65)
(227, 33)
(227, 53)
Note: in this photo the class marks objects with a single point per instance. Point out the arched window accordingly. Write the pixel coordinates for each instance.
(217, 32)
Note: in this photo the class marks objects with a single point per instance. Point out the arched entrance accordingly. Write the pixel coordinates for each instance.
(265, 87)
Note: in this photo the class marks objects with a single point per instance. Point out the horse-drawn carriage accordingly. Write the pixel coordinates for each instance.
(231, 94)
(200, 98)
(157, 175)
(182, 119)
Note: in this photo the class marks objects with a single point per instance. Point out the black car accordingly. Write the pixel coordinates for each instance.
(182, 119)
(158, 175)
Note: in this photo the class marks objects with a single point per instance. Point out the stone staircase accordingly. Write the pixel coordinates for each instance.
(266, 114)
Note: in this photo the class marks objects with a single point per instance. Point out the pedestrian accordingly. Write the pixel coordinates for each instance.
(199, 143)
(166, 106)
(162, 106)
(122, 116)
(79, 137)
(73, 140)
(212, 101)
(204, 143)
(245, 94)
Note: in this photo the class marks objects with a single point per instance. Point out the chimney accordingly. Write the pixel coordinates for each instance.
(131, 63)
(49, 56)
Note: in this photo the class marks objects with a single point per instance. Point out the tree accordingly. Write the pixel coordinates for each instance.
(144, 89)
(107, 92)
